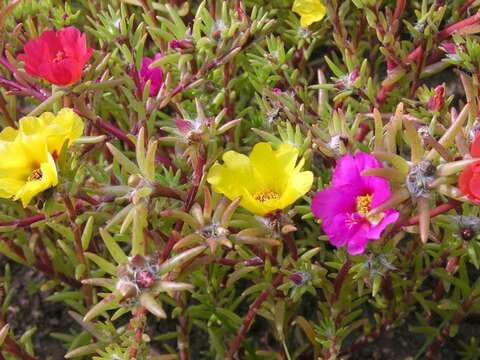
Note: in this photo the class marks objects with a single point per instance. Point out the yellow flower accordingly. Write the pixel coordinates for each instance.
(267, 180)
(26, 168)
(55, 129)
(310, 11)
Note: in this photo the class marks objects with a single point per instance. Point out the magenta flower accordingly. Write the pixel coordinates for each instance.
(155, 75)
(344, 206)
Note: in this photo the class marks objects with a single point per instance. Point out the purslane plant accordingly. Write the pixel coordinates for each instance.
(184, 170)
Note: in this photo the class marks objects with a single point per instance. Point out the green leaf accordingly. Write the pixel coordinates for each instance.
(113, 248)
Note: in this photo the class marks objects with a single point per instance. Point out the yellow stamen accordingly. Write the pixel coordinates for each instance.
(35, 175)
(266, 195)
(364, 204)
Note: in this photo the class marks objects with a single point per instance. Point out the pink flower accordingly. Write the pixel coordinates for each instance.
(155, 75)
(344, 206)
(57, 56)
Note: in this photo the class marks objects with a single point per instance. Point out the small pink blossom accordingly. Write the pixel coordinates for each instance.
(344, 206)
(155, 75)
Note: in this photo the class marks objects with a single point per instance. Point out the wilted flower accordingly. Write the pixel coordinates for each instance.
(310, 11)
(57, 56)
(155, 75)
(344, 206)
(26, 169)
(66, 125)
(469, 180)
(267, 180)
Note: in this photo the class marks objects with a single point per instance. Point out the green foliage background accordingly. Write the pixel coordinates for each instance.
(249, 73)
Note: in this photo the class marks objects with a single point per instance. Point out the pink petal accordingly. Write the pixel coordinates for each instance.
(334, 200)
(375, 231)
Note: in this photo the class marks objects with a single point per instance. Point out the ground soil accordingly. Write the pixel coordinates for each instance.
(30, 308)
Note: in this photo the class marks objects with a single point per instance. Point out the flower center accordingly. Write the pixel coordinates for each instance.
(59, 57)
(35, 175)
(266, 195)
(364, 204)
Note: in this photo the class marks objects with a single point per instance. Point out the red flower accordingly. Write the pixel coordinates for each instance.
(469, 180)
(57, 56)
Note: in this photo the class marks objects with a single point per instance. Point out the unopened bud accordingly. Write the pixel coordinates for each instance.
(467, 234)
(299, 278)
(134, 180)
(436, 102)
(145, 279)
(183, 46)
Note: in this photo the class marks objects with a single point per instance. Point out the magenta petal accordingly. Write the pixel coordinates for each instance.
(366, 161)
(375, 231)
(340, 230)
(346, 172)
(334, 200)
(154, 75)
(358, 243)
(380, 188)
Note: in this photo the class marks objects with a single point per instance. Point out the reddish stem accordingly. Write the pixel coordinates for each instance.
(363, 131)
(13, 348)
(465, 7)
(450, 30)
(417, 53)
(137, 339)
(252, 311)
(190, 198)
(441, 209)
(72, 215)
(341, 276)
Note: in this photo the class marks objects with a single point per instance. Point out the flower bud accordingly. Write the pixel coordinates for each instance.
(183, 46)
(300, 278)
(145, 279)
(467, 234)
(436, 102)
(134, 180)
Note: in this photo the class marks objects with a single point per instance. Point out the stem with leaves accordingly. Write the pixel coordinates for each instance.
(252, 311)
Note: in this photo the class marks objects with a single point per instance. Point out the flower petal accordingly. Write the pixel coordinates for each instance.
(334, 200)
(298, 185)
(475, 147)
(375, 231)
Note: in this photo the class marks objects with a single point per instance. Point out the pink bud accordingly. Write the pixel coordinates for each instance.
(183, 45)
(438, 100)
(353, 75)
(449, 47)
(145, 279)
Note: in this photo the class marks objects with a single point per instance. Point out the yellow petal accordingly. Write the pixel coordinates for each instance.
(267, 180)
(14, 162)
(26, 169)
(310, 11)
(265, 166)
(8, 134)
(9, 187)
(298, 185)
(69, 120)
(287, 155)
(56, 129)
(233, 176)
(32, 188)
